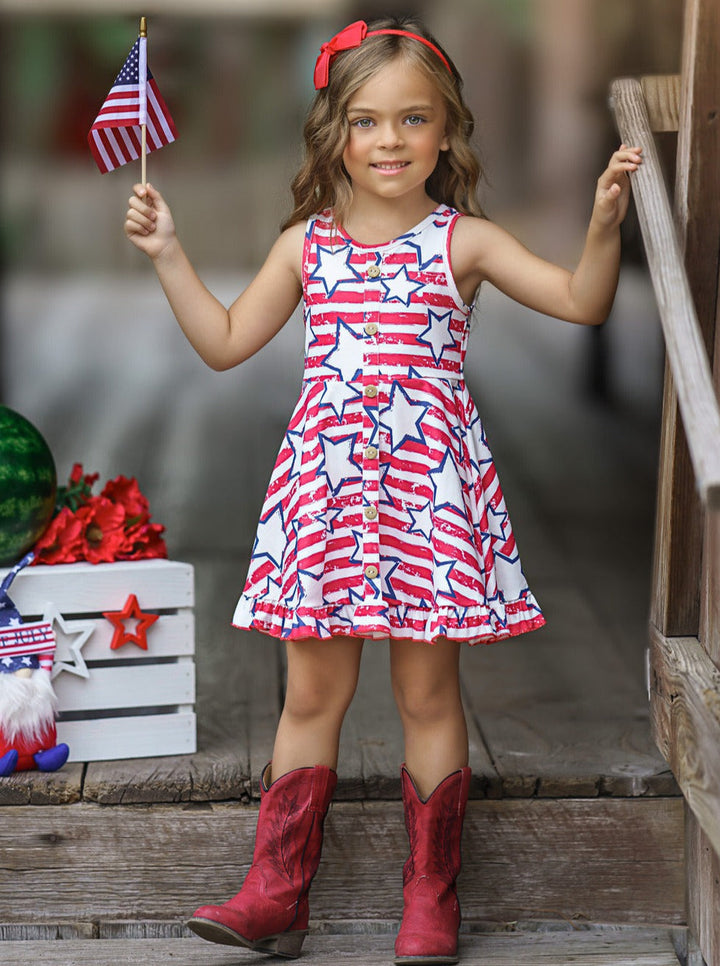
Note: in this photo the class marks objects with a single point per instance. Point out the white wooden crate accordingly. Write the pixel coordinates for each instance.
(133, 703)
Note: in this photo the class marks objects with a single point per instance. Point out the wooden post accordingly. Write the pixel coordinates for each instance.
(687, 554)
(678, 565)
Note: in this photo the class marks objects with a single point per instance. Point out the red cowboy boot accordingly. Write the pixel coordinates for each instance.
(431, 914)
(270, 913)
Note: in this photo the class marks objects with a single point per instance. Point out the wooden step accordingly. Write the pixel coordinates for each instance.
(597, 860)
(597, 946)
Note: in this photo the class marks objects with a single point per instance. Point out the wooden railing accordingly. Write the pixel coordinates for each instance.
(686, 350)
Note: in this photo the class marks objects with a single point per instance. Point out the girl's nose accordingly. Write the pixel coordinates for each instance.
(389, 135)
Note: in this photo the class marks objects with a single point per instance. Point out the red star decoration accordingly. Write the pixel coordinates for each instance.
(131, 610)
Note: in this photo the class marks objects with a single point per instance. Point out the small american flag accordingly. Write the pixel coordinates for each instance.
(134, 100)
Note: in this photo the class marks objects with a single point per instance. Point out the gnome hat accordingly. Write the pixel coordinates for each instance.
(22, 645)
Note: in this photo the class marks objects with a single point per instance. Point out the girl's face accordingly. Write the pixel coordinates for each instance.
(397, 130)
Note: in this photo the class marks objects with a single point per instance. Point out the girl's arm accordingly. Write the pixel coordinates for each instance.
(483, 251)
(222, 337)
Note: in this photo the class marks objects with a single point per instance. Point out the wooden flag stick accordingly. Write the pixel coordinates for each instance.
(143, 127)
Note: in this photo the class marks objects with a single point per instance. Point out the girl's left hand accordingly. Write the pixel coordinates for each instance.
(613, 188)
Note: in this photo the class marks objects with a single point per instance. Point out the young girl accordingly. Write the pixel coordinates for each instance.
(384, 517)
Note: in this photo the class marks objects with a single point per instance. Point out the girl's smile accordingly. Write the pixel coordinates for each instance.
(390, 167)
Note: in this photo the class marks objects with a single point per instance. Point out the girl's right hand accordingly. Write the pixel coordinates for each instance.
(148, 222)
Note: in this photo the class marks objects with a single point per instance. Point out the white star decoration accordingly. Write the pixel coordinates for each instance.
(404, 412)
(439, 334)
(442, 575)
(446, 483)
(333, 267)
(346, 359)
(339, 464)
(295, 439)
(69, 643)
(401, 288)
(422, 521)
(427, 251)
(336, 395)
(271, 534)
(497, 519)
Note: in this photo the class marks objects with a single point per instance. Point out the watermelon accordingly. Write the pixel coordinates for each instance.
(28, 483)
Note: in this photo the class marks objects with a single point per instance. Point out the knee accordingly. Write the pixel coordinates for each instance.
(427, 702)
(322, 697)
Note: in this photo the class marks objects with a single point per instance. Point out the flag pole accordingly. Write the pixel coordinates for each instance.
(143, 126)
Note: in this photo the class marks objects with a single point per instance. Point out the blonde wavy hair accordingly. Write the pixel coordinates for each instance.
(322, 181)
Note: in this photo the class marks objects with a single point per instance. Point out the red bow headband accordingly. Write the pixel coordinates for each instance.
(352, 36)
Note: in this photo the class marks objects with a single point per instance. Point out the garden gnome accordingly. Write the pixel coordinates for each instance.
(28, 738)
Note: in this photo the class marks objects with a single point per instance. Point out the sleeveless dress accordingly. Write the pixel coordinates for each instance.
(384, 516)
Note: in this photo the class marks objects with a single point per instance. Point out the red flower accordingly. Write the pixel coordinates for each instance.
(102, 529)
(77, 476)
(142, 541)
(62, 541)
(126, 493)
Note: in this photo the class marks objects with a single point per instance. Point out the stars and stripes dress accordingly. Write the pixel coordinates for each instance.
(384, 515)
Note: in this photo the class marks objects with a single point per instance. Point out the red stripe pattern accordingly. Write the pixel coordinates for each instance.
(384, 515)
(115, 136)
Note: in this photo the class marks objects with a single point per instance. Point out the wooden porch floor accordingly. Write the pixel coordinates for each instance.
(99, 366)
(592, 947)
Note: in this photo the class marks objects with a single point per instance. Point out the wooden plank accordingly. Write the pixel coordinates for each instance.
(560, 715)
(172, 635)
(595, 946)
(675, 605)
(142, 685)
(93, 588)
(687, 352)
(43, 788)
(686, 721)
(697, 182)
(662, 99)
(676, 613)
(599, 858)
(137, 736)
(709, 633)
(703, 894)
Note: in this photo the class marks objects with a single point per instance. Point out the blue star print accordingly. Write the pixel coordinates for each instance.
(333, 267)
(271, 533)
(405, 411)
(339, 463)
(421, 520)
(401, 289)
(344, 353)
(439, 334)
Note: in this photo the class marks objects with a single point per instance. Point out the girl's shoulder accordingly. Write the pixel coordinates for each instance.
(474, 241)
(287, 252)
(473, 229)
(475, 237)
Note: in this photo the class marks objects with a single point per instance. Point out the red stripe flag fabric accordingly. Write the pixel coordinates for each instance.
(134, 100)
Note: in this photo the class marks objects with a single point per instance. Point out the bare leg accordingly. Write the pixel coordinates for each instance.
(426, 685)
(321, 681)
